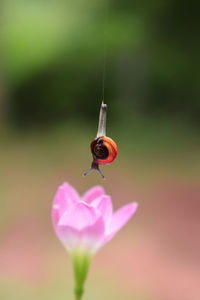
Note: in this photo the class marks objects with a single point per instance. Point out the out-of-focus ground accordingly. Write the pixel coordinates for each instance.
(156, 256)
(52, 57)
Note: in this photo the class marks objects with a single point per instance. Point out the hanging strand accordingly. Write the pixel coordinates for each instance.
(104, 74)
(104, 52)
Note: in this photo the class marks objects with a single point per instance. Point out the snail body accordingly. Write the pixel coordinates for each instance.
(104, 149)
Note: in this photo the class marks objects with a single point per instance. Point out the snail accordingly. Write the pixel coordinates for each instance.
(104, 149)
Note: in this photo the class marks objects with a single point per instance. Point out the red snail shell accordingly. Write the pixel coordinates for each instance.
(104, 150)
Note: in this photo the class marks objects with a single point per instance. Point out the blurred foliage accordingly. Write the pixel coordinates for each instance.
(52, 56)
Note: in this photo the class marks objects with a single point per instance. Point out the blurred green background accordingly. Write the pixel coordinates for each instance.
(52, 60)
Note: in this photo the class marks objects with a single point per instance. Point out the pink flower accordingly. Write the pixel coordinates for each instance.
(84, 224)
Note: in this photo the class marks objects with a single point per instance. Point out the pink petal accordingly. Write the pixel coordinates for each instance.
(71, 192)
(79, 216)
(104, 205)
(119, 219)
(93, 193)
(65, 197)
(88, 239)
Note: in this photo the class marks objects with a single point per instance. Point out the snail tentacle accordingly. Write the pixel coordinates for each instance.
(94, 166)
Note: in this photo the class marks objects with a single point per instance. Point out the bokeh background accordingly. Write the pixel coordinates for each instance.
(52, 59)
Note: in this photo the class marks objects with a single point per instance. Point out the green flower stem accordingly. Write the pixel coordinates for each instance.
(81, 262)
